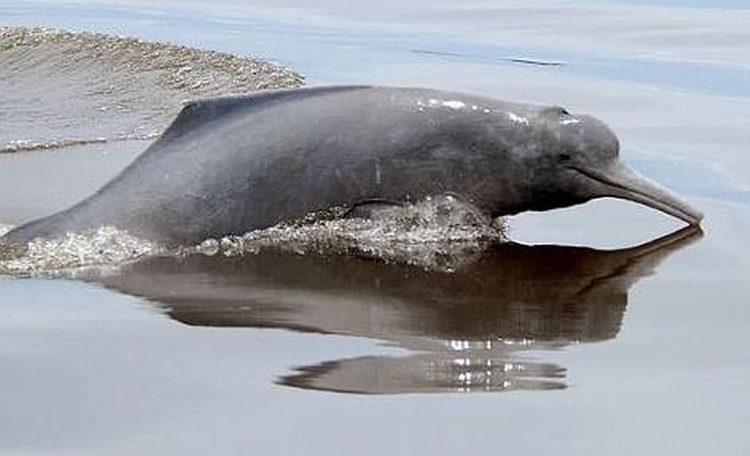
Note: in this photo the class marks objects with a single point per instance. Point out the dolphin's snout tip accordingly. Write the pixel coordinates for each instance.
(620, 181)
(696, 219)
(681, 209)
(671, 204)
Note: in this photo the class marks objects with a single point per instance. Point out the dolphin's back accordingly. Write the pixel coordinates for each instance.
(200, 112)
(229, 165)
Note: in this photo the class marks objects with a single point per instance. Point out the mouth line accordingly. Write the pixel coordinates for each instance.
(604, 180)
(662, 201)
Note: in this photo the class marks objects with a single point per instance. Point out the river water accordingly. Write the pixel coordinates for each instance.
(599, 329)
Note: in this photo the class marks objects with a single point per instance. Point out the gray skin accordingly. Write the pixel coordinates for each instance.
(229, 165)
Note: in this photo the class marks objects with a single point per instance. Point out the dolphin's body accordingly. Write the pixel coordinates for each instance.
(229, 165)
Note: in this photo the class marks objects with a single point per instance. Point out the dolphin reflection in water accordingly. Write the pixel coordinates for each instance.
(468, 330)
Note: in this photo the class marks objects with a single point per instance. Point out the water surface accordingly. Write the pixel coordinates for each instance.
(590, 333)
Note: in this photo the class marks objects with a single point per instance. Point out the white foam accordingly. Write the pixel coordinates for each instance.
(437, 233)
(440, 233)
(103, 247)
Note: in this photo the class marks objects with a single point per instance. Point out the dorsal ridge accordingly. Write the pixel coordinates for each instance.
(199, 112)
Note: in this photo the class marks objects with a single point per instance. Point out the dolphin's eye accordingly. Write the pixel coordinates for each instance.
(555, 111)
(564, 158)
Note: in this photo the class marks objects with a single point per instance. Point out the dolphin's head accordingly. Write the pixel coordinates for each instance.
(579, 161)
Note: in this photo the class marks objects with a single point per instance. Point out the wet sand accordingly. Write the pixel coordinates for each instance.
(540, 350)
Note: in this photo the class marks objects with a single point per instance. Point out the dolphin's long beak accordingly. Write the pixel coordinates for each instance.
(622, 182)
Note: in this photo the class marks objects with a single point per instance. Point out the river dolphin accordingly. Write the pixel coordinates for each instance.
(230, 165)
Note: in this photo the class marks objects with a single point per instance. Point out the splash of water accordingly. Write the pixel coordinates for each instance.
(440, 233)
(103, 247)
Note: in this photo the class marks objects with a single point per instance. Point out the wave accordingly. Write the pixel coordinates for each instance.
(63, 88)
(29, 145)
(461, 55)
